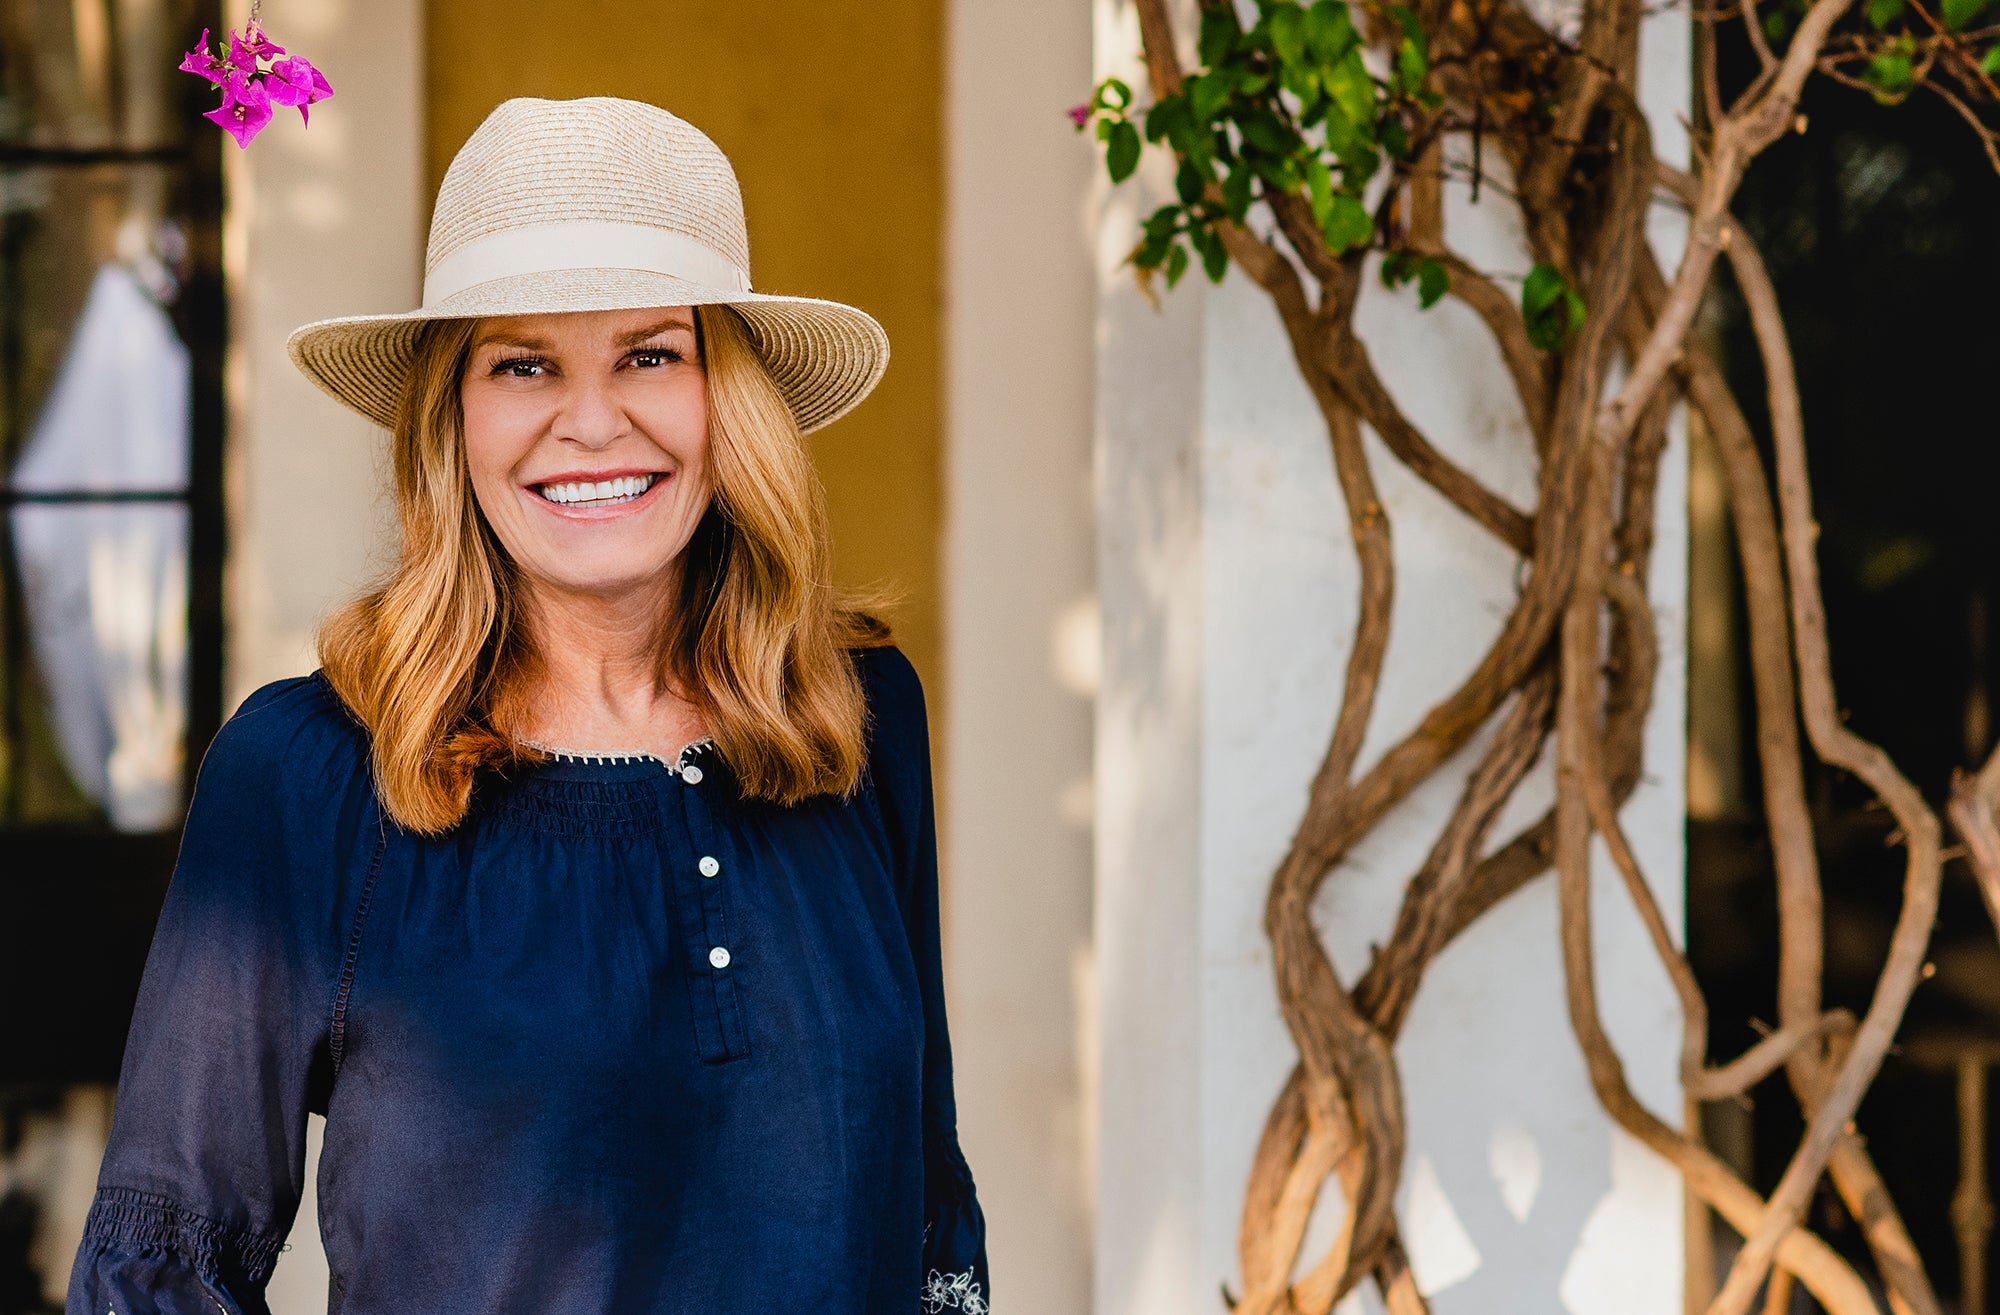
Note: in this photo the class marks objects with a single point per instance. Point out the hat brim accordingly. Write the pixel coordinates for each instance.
(824, 356)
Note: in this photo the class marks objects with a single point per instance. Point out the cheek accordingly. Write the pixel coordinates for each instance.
(493, 443)
(695, 460)
(676, 420)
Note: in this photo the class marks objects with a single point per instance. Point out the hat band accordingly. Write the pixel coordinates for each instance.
(580, 244)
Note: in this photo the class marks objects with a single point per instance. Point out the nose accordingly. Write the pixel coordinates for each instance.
(590, 415)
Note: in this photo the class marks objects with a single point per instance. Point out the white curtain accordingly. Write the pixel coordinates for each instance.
(105, 585)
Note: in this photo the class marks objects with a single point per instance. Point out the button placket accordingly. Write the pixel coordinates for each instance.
(713, 955)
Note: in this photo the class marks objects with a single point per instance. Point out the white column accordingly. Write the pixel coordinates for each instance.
(1020, 634)
(1228, 582)
(322, 220)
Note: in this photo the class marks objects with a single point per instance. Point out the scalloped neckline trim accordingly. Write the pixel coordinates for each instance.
(618, 758)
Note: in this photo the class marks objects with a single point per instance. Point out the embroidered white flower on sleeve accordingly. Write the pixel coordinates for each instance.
(953, 1292)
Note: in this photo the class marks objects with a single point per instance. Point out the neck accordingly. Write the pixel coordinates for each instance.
(600, 680)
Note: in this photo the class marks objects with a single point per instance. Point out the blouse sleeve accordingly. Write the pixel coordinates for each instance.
(954, 1249)
(228, 1043)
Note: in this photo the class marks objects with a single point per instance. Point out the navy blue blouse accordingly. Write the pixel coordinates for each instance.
(623, 1041)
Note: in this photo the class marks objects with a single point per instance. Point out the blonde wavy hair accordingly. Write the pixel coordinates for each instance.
(436, 662)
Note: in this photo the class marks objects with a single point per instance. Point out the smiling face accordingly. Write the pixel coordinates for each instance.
(586, 435)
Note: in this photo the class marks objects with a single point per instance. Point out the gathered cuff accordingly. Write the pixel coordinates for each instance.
(145, 1219)
(955, 1277)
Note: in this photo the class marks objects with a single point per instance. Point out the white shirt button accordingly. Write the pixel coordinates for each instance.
(719, 956)
(691, 774)
(708, 866)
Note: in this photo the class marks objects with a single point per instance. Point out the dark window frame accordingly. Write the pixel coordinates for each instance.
(78, 904)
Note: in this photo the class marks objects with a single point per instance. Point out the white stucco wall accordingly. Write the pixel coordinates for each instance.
(1229, 584)
(322, 221)
(1020, 634)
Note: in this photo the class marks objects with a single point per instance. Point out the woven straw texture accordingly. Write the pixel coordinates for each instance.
(541, 162)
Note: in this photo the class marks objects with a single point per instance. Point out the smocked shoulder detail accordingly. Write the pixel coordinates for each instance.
(579, 808)
(144, 1219)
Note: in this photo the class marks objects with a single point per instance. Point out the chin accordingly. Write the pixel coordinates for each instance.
(606, 581)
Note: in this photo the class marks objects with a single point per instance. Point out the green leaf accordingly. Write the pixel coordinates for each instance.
(1540, 290)
(1319, 190)
(1214, 256)
(1177, 263)
(1188, 183)
(1433, 281)
(1199, 147)
(1166, 117)
(1959, 13)
(1279, 172)
(1301, 81)
(1207, 93)
(1288, 34)
(1161, 224)
(1551, 308)
(1406, 18)
(1889, 73)
(1263, 130)
(1397, 268)
(1330, 32)
(1395, 138)
(1348, 223)
(1881, 13)
(1357, 166)
(1121, 153)
(1411, 66)
(1353, 90)
(1215, 261)
(1113, 94)
(1218, 34)
(1341, 134)
(1776, 24)
(1990, 65)
(1236, 192)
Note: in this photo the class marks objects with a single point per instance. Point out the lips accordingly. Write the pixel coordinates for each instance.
(585, 494)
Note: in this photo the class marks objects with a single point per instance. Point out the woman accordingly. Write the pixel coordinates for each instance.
(590, 888)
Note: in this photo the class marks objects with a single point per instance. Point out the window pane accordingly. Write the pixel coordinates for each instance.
(94, 413)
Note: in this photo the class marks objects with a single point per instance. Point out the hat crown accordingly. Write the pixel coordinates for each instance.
(597, 159)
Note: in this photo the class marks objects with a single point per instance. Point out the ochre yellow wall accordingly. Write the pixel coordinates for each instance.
(830, 112)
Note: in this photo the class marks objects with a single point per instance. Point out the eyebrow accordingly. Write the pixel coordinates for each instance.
(633, 339)
(510, 340)
(654, 331)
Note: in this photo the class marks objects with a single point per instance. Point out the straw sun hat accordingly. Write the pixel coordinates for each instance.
(595, 204)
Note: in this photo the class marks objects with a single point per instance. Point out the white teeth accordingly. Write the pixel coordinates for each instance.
(600, 492)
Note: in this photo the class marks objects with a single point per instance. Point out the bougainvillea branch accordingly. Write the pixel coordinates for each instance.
(254, 74)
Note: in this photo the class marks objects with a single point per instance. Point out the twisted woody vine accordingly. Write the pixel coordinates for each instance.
(1310, 147)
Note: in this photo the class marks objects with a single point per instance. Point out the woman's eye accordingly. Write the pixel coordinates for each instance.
(521, 367)
(655, 357)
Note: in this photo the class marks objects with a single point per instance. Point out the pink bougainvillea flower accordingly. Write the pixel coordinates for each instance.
(203, 63)
(254, 76)
(1080, 114)
(245, 109)
(258, 45)
(295, 81)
